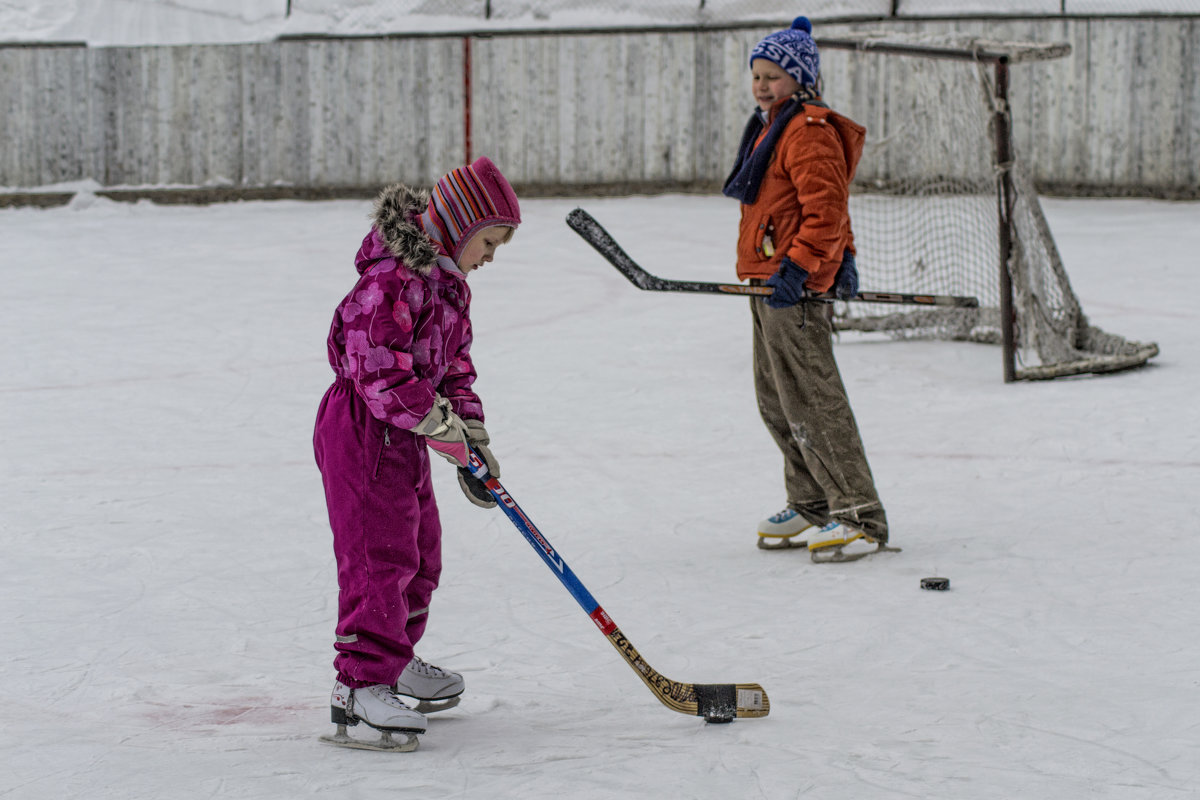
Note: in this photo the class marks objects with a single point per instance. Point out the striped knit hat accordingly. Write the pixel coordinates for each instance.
(466, 200)
(793, 50)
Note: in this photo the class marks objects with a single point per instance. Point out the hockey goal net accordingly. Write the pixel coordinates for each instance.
(942, 204)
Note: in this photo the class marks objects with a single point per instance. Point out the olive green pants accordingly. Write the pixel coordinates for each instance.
(803, 402)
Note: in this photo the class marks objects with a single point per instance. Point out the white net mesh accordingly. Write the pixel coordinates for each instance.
(927, 220)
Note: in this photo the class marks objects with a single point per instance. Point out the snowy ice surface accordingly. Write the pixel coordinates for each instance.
(167, 22)
(168, 593)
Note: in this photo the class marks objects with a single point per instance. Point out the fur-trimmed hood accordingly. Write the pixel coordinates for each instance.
(397, 230)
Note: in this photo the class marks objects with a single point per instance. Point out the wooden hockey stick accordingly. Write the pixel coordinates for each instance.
(594, 234)
(716, 702)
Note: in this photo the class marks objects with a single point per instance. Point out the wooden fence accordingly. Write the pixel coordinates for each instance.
(610, 111)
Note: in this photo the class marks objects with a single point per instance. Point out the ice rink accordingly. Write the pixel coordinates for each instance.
(169, 593)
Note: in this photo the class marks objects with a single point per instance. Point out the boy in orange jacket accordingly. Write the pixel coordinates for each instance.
(792, 176)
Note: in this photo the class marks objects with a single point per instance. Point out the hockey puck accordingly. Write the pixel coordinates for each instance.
(935, 584)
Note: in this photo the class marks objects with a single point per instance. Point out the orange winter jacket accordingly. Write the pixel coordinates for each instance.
(802, 209)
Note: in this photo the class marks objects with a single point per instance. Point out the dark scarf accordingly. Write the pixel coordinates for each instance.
(752, 162)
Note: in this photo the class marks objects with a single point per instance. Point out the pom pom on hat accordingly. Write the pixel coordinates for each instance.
(467, 200)
(793, 50)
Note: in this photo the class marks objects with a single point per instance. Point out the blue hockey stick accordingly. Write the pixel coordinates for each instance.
(716, 702)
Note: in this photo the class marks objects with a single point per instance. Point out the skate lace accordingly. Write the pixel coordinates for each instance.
(427, 669)
(783, 516)
(384, 694)
(849, 533)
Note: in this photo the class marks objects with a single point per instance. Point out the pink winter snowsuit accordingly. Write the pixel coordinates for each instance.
(399, 338)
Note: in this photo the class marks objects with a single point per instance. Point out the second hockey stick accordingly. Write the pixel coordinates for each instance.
(716, 702)
(594, 234)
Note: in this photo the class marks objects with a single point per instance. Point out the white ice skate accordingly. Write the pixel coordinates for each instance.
(381, 709)
(784, 530)
(838, 542)
(434, 688)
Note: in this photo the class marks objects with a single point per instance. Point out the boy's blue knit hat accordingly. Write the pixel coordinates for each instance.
(793, 50)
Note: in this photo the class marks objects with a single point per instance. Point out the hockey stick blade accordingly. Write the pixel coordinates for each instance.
(594, 234)
(718, 702)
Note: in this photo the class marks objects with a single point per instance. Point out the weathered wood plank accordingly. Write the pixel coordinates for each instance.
(1121, 114)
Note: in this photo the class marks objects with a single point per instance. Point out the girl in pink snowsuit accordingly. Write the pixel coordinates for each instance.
(400, 349)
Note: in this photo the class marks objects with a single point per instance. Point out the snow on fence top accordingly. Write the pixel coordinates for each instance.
(948, 46)
(151, 22)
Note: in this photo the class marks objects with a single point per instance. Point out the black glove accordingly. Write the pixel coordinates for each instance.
(474, 489)
(845, 283)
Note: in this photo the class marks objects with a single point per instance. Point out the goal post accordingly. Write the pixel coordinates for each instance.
(943, 204)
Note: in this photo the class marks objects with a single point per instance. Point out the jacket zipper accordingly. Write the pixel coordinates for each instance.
(387, 442)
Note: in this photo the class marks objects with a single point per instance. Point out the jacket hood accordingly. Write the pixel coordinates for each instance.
(397, 231)
(853, 136)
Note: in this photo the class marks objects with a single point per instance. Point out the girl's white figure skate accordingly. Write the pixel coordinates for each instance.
(434, 689)
(381, 709)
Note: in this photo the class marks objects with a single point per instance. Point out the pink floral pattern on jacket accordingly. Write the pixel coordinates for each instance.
(403, 334)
